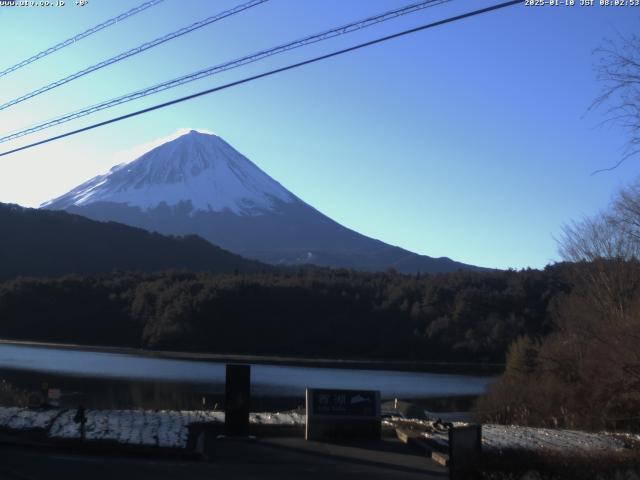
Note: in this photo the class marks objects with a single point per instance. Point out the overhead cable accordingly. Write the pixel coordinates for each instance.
(268, 74)
(80, 36)
(254, 57)
(134, 51)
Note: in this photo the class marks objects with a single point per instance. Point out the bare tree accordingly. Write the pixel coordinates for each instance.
(602, 236)
(586, 373)
(608, 243)
(602, 314)
(618, 69)
(626, 211)
(611, 234)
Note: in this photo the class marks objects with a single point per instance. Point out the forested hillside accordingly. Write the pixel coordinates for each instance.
(464, 316)
(48, 243)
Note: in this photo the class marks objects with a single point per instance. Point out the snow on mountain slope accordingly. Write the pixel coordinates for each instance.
(196, 167)
(197, 183)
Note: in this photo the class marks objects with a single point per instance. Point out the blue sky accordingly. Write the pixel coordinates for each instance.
(470, 140)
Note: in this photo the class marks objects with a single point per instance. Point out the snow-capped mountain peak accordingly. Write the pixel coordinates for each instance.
(194, 183)
(200, 168)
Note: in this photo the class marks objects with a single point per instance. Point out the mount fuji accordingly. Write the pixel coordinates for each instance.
(198, 184)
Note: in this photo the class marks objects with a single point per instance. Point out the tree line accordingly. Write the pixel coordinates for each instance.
(311, 312)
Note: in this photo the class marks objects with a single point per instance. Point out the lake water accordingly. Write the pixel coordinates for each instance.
(85, 372)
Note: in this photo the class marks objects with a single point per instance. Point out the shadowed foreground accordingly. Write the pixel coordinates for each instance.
(281, 458)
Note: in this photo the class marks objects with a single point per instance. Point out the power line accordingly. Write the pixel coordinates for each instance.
(269, 73)
(254, 57)
(134, 51)
(80, 36)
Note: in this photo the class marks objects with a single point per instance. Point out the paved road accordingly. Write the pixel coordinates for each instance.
(272, 458)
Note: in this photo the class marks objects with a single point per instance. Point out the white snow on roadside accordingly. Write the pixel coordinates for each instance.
(17, 418)
(169, 429)
(507, 437)
(64, 426)
(287, 418)
(6, 414)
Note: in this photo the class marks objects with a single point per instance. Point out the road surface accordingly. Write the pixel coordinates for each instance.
(269, 458)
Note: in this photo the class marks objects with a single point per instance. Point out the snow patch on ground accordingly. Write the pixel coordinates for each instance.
(170, 429)
(16, 418)
(289, 418)
(65, 426)
(164, 428)
(511, 437)
(502, 437)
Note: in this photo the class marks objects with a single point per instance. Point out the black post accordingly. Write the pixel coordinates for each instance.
(237, 400)
(81, 418)
(465, 452)
(44, 394)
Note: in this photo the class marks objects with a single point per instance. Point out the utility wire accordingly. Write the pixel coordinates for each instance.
(80, 36)
(134, 51)
(269, 73)
(254, 57)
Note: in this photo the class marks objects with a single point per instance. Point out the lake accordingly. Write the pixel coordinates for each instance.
(104, 379)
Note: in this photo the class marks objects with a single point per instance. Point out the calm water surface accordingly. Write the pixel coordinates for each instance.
(274, 380)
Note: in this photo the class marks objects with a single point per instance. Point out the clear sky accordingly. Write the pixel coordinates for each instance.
(469, 140)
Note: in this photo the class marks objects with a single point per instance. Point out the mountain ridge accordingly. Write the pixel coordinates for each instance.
(199, 184)
(54, 243)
